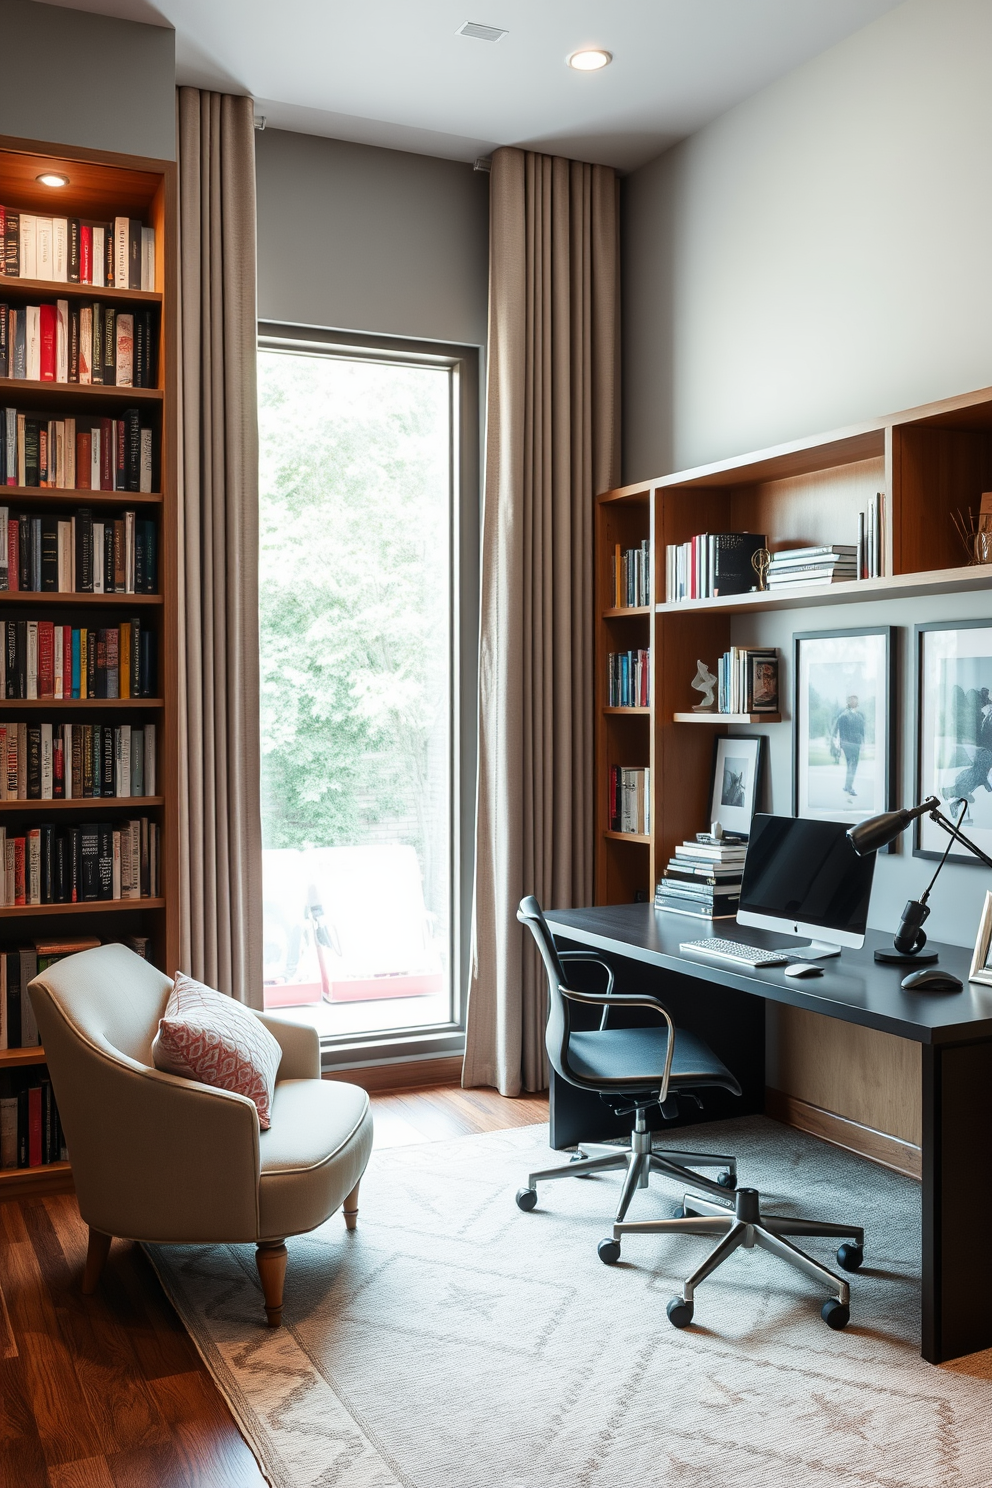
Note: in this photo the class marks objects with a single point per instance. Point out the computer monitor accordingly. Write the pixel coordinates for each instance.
(804, 878)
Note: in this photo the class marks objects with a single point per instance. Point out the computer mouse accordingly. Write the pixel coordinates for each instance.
(932, 979)
(804, 969)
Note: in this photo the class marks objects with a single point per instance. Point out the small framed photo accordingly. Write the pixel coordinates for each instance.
(843, 725)
(981, 961)
(954, 732)
(737, 766)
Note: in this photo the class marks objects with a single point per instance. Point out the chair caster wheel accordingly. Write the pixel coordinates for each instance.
(835, 1314)
(526, 1199)
(679, 1313)
(609, 1252)
(680, 1212)
(727, 1180)
(849, 1257)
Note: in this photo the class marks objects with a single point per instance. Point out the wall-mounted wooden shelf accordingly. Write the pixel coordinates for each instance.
(57, 704)
(85, 803)
(803, 596)
(70, 391)
(54, 289)
(78, 497)
(90, 906)
(727, 717)
(17, 1057)
(47, 597)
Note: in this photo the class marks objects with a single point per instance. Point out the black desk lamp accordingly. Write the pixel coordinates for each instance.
(878, 831)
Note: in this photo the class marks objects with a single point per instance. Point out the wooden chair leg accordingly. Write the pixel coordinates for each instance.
(97, 1251)
(270, 1258)
(351, 1207)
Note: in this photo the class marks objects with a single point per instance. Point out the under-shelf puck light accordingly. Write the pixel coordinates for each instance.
(52, 178)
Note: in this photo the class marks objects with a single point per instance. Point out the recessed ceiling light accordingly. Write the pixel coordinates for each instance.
(52, 178)
(590, 59)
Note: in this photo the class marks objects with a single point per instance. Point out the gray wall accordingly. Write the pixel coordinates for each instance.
(361, 239)
(70, 78)
(820, 254)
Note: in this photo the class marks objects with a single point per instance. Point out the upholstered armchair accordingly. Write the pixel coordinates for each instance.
(164, 1159)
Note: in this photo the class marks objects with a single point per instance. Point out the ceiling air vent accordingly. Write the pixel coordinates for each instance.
(481, 33)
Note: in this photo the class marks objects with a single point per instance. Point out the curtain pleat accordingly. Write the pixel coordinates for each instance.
(220, 830)
(552, 443)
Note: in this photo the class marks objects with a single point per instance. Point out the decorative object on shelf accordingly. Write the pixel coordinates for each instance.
(843, 724)
(974, 532)
(878, 832)
(736, 781)
(704, 682)
(981, 961)
(759, 562)
(954, 740)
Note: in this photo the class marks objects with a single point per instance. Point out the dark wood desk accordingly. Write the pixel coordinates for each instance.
(726, 1004)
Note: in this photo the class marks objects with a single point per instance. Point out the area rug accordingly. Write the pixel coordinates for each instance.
(452, 1341)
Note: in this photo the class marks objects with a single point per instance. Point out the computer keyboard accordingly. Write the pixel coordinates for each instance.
(736, 951)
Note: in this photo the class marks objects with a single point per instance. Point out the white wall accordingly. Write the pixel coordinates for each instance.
(70, 78)
(357, 238)
(821, 253)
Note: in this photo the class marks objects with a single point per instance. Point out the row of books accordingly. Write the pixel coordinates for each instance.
(20, 965)
(79, 554)
(69, 454)
(31, 1134)
(703, 879)
(829, 564)
(53, 864)
(87, 344)
(747, 680)
(632, 575)
(711, 564)
(871, 539)
(39, 659)
(629, 679)
(630, 798)
(73, 761)
(76, 250)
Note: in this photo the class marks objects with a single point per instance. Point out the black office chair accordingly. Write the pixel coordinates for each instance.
(634, 1069)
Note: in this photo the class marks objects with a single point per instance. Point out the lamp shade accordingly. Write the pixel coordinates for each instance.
(878, 831)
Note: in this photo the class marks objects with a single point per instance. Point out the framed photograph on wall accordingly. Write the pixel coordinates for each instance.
(843, 724)
(736, 782)
(954, 732)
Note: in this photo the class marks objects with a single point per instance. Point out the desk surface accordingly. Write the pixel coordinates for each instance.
(853, 987)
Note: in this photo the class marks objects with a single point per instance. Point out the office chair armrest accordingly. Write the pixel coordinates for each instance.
(606, 1000)
(596, 961)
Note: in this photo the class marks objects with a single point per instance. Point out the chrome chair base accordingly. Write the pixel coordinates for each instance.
(640, 1158)
(747, 1227)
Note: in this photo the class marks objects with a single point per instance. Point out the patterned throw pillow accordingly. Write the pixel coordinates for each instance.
(206, 1036)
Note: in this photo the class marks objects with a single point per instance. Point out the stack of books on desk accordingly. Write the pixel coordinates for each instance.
(824, 565)
(703, 879)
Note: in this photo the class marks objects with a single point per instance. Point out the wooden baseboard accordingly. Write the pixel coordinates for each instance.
(32, 1183)
(879, 1147)
(380, 1078)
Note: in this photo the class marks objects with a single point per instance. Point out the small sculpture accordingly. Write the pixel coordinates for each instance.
(704, 682)
(759, 562)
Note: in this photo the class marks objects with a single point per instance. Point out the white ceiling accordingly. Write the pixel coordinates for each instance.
(395, 73)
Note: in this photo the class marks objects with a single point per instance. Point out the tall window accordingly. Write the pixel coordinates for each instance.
(358, 613)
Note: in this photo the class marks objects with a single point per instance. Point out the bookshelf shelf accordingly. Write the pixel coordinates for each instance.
(85, 803)
(57, 289)
(17, 1058)
(623, 611)
(94, 906)
(629, 712)
(71, 391)
(57, 704)
(49, 1178)
(726, 718)
(21, 494)
(925, 463)
(73, 597)
(641, 837)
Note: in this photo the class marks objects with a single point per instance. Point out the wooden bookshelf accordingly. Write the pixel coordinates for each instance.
(101, 186)
(926, 462)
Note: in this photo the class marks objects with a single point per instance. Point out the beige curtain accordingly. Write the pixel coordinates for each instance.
(220, 832)
(552, 443)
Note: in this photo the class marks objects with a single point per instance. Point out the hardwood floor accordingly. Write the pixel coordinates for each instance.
(108, 1391)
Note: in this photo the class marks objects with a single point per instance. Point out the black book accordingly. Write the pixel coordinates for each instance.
(140, 366)
(134, 659)
(134, 254)
(107, 768)
(151, 360)
(32, 430)
(146, 665)
(13, 999)
(60, 871)
(24, 551)
(74, 345)
(84, 550)
(72, 253)
(109, 346)
(132, 449)
(89, 862)
(105, 859)
(22, 1127)
(12, 245)
(74, 858)
(47, 832)
(34, 761)
(47, 1122)
(3, 349)
(49, 555)
(96, 355)
(109, 256)
(144, 556)
(10, 658)
(21, 659)
(17, 345)
(733, 572)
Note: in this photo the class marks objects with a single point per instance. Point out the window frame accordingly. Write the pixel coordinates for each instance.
(433, 1040)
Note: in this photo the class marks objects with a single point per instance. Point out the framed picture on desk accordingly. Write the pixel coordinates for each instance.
(843, 724)
(954, 732)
